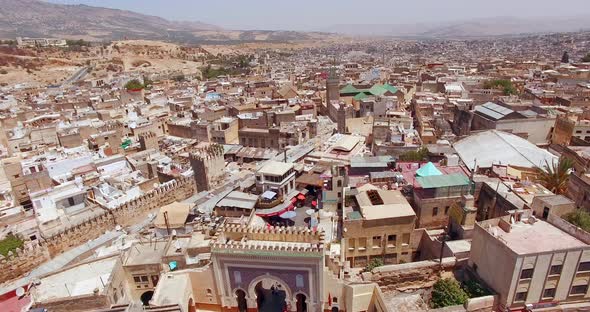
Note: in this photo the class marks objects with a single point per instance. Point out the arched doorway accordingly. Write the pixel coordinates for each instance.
(301, 303)
(191, 305)
(146, 297)
(270, 296)
(242, 302)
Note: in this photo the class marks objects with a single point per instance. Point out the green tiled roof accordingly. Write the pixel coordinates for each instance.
(360, 96)
(390, 88)
(349, 89)
(443, 181)
(377, 90)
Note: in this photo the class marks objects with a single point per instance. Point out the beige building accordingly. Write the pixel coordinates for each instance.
(528, 261)
(378, 224)
(278, 177)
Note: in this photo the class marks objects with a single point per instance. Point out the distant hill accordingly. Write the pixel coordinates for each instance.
(486, 27)
(33, 18)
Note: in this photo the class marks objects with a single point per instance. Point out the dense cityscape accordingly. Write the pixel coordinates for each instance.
(298, 172)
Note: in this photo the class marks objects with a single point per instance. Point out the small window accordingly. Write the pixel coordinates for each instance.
(526, 273)
(520, 296)
(237, 277)
(549, 293)
(555, 270)
(391, 239)
(137, 279)
(579, 290)
(434, 211)
(447, 210)
(299, 281)
(144, 278)
(376, 241)
(209, 291)
(584, 266)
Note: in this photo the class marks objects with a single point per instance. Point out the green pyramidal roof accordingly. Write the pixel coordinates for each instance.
(428, 170)
(349, 89)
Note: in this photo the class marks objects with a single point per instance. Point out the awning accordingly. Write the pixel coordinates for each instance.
(314, 203)
(269, 195)
(301, 197)
(288, 215)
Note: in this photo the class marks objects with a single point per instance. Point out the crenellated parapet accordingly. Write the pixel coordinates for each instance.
(297, 241)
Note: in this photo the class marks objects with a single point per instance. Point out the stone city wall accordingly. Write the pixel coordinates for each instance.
(22, 261)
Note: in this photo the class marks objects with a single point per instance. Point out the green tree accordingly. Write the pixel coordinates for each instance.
(447, 292)
(134, 84)
(565, 58)
(579, 218)
(501, 84)
(586, 59)
(375, 263)
(555, 176)
(419, 155)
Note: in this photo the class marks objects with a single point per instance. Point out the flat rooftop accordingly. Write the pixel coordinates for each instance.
(375, 203)
(145, 253)
(76, 281)
(275, 168)
(525, 238)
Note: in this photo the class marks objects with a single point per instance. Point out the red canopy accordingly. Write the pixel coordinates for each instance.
(293, 200)
(314, 203)
(301, 197)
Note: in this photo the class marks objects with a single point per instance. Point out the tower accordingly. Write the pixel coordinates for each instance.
(148, 140)
(332, 86)
(208, 166)
(341, 118)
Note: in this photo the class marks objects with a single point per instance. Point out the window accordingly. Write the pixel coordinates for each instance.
(144, 279)
(526, 273)
(579, 290)
(520, 296)
(376, 241)
(584, 266)
(447, 210)
(209, 291)
(299, 281)
(549, 293)
(555, 270)
(434, 211)
(339, 183)
(237, 277)
(136, 279)
(391, 240)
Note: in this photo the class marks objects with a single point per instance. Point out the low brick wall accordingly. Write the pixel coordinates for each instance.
(414, 275)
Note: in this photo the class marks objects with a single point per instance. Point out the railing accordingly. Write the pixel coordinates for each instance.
(269, 204)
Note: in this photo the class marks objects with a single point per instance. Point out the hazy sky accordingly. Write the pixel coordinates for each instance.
(317, 14)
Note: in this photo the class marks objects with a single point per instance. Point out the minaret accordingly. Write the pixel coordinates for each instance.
(332, 86)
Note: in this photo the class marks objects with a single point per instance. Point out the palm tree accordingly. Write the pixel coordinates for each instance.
(554, 176)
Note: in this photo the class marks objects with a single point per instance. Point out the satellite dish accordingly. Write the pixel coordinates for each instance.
(117, 228)
(20, 292)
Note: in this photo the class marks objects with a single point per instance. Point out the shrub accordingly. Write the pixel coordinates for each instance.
(474, 289)
(579, 218)
(375, 263)
(10, 243)
(447, 292)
